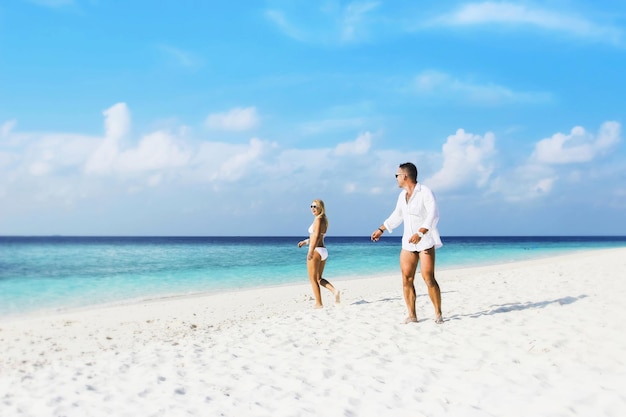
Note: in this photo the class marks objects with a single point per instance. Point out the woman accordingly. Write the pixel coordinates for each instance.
(317, 255)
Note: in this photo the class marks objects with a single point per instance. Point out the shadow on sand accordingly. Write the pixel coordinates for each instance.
(507, 308)
(381, 300)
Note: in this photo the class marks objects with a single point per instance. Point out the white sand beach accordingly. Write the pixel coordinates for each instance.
(535, 338)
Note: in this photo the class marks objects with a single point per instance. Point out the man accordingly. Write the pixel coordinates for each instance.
(417, 208)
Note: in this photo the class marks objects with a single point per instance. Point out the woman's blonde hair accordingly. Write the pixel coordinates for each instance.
(320, 205)
(322, 209)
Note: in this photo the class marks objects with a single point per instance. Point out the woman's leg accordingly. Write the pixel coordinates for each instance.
(326, 284)
(315, 275)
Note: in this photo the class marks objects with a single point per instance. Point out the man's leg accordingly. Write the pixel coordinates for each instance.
(427, 259)
(408, 265)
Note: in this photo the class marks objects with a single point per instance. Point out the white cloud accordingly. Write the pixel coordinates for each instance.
(52, 166)
(577, 146)
(117, 121)
(117, 126)
(7, 127)
(548, 167)
(440, 84)
(237, 119)
(544, 185)
(523, 183)
(6, 159)
(359, 146)
(102, 159)
(48, 153)
(238, 164)
(227, 162)
(467, 160)
(156, 151)
(508, 14)
(162, 166)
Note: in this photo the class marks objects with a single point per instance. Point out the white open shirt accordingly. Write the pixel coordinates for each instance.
(420, 211)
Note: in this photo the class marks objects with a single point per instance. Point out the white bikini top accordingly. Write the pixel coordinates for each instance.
(311, 230)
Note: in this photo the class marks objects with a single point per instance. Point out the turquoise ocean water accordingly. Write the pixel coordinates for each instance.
(50, 273)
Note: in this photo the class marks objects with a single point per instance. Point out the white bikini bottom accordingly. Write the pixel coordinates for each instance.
(323, 253)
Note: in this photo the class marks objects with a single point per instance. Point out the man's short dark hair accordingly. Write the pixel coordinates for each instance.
(410, 169)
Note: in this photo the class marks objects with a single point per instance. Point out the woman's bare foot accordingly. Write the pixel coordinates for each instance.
(318, 306)
(337, 296)
(410, 320)
(439, 319)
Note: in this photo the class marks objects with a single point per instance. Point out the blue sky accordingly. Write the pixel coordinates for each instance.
(228, 118)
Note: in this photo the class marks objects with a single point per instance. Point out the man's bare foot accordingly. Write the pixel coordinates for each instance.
(337, 296)
(410, 320)
(439, 319)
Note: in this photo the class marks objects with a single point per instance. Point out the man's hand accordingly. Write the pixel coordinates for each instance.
(415, 238)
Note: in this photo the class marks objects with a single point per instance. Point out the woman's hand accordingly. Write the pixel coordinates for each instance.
(303, 242)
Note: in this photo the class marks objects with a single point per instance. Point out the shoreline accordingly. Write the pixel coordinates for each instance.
(534, 337)
(107, 275)
(445, 270)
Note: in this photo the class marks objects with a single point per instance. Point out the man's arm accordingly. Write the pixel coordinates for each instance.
(432, 211)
